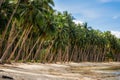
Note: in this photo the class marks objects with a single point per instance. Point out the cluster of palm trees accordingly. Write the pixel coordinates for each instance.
(32, 31)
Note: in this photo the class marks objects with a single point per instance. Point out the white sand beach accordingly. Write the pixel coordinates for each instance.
(58, 71)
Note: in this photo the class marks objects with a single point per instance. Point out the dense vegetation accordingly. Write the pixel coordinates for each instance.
(31, 30)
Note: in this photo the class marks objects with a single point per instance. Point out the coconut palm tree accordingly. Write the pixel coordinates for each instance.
(31, 30)
(33, 15)
(5, 31)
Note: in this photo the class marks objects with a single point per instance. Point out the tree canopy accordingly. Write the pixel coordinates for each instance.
(32, 31)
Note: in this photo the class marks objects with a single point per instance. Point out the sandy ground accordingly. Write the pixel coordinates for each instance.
(65, 71)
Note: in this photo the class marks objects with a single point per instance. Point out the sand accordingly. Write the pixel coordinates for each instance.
(58, 71)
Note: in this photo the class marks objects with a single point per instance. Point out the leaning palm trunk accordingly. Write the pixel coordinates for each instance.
(67, 56)
(10, 41)
(6, 28)
(13, 52)
(27, 46)
(64, 57)
(11, 34)
(60, 55)
(7, 49)
(24, 39)
(32, 49)
(72, 54)
(52, 56)
(48, 50)
(38, 50)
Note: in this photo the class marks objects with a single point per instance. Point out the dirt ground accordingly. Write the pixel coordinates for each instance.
(58, 71)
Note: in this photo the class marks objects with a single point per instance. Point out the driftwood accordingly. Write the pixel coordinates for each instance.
(7, 77)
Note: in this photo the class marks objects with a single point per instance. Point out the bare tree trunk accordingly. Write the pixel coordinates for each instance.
(67, 54)
(12, 32)
(10, 41)
(38, 50)
(76, 54)
(48, 50)
(6, 28)
(24, 39)
(64, 57)
(32, 49)
(71, 56)
(79, 54)
(7, 49)
(60, 55)
(13, 52)
(52, 56)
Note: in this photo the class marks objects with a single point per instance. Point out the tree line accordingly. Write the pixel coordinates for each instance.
(32, 31)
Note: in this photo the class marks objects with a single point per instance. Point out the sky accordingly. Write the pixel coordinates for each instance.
(99, 14)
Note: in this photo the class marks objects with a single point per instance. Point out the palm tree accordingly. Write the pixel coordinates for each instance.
(5, 13)
(32, 15)
(6, 28)
(30, 30)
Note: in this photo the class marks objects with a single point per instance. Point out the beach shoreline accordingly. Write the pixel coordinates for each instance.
(61, 71)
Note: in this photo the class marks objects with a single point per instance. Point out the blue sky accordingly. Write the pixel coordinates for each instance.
(99, 14)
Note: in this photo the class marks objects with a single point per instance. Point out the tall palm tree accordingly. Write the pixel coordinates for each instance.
(5, 31)
(34, 15)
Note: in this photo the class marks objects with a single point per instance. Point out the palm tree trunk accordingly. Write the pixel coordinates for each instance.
(67, 57)
(11, 34)
(6, 28)
(48, 50)
(72, 54)
(13, 52)
(24, 39)
(52, 56)
(7, 49)
(64, 57)
(32, 49)
(38, 50)
(60, 55)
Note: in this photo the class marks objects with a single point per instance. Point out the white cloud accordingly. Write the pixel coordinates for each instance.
(78, 21)
(116, 33)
